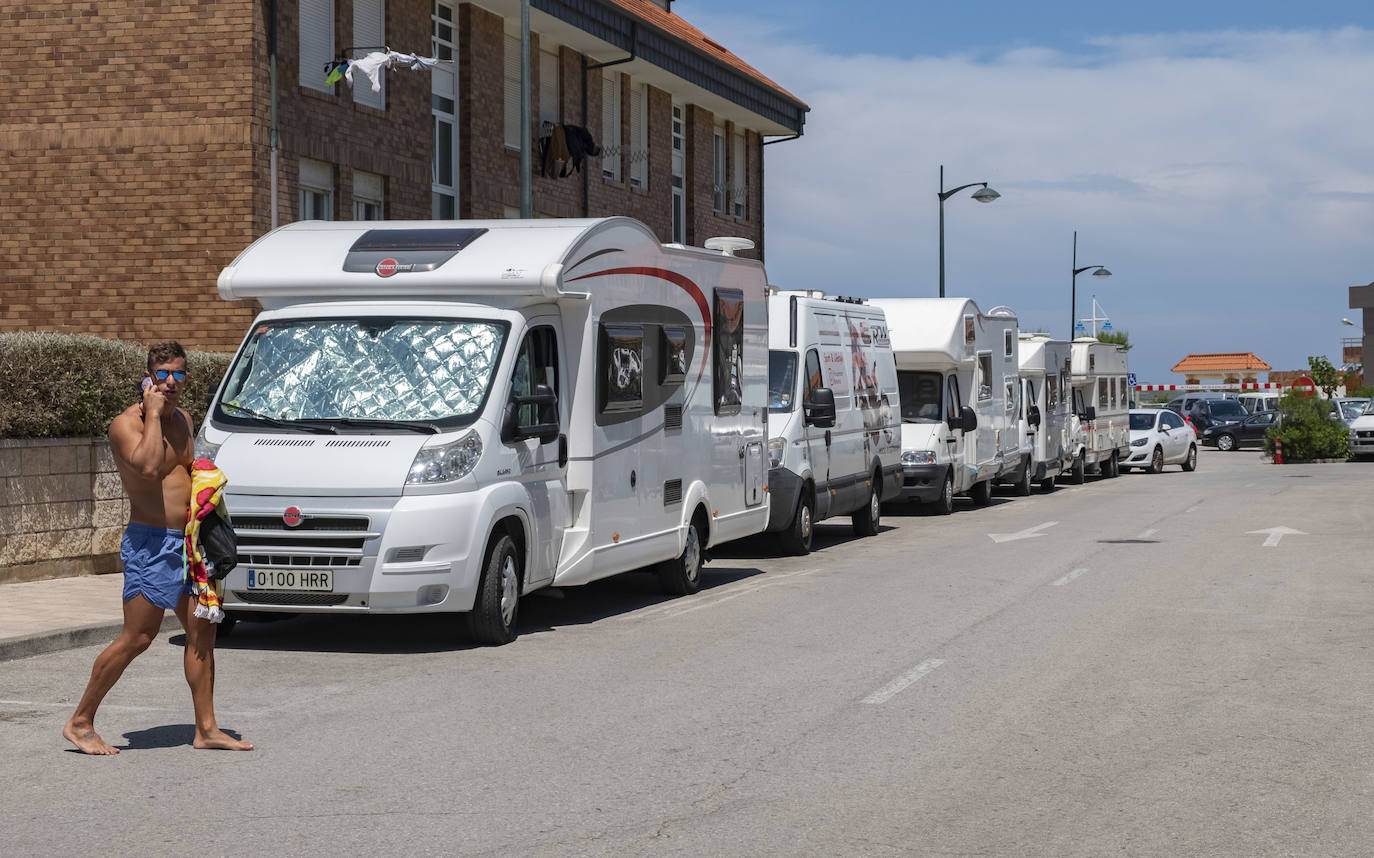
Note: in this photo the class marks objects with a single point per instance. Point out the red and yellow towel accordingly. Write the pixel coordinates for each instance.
(207, 498)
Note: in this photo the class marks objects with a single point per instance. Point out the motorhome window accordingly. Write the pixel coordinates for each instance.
(1030, 392)
(622, 368)
(1007, 337)
(432, 371)
(814, 381)
(1145, 422)
(672, 363)
(536, 365)
(953, 402)
(782, 380)
(1111, 391)
(728, 347)
(1051, 392)
(1102, 393)
(984, 379)
(919, 393)
(1009, 382)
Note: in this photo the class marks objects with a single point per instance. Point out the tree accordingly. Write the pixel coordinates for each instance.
(1324, 375)
(1118, 338)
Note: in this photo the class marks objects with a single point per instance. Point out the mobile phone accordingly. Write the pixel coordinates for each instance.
(147, 383)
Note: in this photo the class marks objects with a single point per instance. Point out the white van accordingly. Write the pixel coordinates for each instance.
(832, 393)
(1101, 408)
(443, 416)
(1046, 417)
(958, 377)
(1256, 401)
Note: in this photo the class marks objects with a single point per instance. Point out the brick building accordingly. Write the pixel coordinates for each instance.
(137, 156)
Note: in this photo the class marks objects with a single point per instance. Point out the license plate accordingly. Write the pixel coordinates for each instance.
(291, 579)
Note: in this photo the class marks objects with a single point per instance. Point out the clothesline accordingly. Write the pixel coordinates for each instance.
(373, 64)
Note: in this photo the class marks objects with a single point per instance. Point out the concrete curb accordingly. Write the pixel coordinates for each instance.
(55, 641)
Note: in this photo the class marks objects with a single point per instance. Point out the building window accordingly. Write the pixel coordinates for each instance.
(368, 193)
(443, 96)
(679, 181)
(317, 190)
(512, 91)
(610, 125)
(718, 171)
(548, 88)
(316, 42)
(739, 188)
(639, 135)
(369, 30)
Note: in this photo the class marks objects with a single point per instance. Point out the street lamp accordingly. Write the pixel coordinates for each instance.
(983, 195)
(1101, 271)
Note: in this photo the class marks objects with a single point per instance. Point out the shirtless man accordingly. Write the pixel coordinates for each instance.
(152, 445)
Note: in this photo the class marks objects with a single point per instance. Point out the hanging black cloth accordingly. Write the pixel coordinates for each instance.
(580, 146)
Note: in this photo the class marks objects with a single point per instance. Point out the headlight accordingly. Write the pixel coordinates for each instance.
(1140, 442)
(204, 449)
(918, 457)
(776, 446)
(446, 462)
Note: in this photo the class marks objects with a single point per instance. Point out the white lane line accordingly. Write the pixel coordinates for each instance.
(1194, 508)
(898, 685)
(1148, 532)
(1067, 578)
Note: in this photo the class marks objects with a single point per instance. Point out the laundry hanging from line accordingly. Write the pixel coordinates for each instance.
(372, 65)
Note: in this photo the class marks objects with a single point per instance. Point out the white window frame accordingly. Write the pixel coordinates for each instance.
(610, 125)
(739, 184)
(678, 168)
(639, 135)
(369, 194)
(369, 29)
(444, 107)
(511, 91)
(550, 110)
(315, 22)
(316, 183)
(718, 170)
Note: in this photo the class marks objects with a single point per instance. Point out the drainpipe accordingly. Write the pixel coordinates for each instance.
(762, 196)
(586, 168)
(272, 138)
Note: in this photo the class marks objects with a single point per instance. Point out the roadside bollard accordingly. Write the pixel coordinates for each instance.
(1278, 451)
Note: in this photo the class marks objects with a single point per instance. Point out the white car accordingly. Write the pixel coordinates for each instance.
(1159, 437)
(1362, 433)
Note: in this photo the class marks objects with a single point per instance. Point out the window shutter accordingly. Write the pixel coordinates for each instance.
(512, 91)
(610, 125)
(740, 190)
(548, 88)
(718, 171)
(639, 136)
(369, 28)
(316, 42)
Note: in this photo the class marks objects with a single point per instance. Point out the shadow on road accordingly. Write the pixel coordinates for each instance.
(166, 736)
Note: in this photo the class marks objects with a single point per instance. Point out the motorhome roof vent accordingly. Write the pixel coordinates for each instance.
(1002, 310)
(392, 251)
(729, 244)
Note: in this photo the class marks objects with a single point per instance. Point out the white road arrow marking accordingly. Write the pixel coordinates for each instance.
(1274, 534)
(896, 686)
(1028, 533)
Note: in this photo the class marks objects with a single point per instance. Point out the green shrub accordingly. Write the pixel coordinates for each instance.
(69, 385)
(1307, 430)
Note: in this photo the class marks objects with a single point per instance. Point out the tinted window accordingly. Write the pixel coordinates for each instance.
(1226, 408)
(1170, 420)
(1142, 422)
(782, 380)
(1264, 418)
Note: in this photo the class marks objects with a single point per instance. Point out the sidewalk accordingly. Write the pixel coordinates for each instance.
(60, 613)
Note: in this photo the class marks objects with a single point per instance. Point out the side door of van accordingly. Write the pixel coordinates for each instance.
(817, 438)
(543, 463)
(957, 442)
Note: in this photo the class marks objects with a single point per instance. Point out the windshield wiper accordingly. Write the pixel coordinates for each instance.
(407, 425)
(317, 428)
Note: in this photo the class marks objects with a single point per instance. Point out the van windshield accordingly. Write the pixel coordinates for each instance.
(349, 373)
(782, 380)
(920, 395)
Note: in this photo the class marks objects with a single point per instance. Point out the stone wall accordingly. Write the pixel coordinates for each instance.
(62, 508)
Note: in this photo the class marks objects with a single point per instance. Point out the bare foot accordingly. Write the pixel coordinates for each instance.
(87, 741)
(220, 741)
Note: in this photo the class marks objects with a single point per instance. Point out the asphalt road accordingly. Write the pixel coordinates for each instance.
(1120, 668)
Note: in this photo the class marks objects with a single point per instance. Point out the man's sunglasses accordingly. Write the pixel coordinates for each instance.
(161, 374)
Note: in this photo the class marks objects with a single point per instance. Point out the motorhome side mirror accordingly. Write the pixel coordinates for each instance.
(1090, 413)
(1033, 416)
(546, 405)
(820, 409)
(968, 419)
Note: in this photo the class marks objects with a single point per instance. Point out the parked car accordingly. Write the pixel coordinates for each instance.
(1159, 438)
(1211, 412)
(1247, 433)
(1362, 433)
(1347, 408)
(1184, 404)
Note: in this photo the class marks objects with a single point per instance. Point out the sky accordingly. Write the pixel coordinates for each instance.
(1217, 157)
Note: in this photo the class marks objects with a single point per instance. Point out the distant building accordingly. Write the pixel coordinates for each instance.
(1353, 349)
(1222, 368)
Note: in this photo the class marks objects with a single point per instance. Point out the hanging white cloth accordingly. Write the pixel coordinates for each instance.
(370, 65)
(413, 62)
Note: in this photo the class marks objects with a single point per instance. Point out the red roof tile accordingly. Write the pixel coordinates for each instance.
(1221, 362)
(674, 25)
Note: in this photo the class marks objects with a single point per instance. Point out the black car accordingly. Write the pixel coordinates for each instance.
(1247, 433)
(1211, 412)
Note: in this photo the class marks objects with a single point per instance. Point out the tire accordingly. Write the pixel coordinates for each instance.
(944, 504)
(226, 626)
(1023, 482)
(492, 618)
(981, 493)
(1226, 442)
(1190, 462)
(1157, 461)
(1047, 485)
(1124, 469)
(1110, 469)
(1079, 475)
(796, 539)
(681, 576)
(866, 519)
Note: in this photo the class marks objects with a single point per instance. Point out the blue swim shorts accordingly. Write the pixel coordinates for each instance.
(154, 564)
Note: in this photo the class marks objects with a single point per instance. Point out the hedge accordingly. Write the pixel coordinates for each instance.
(70, 385)
(1308, 431)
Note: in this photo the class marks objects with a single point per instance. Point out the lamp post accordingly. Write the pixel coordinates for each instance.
(984, 195)
(1073, 282)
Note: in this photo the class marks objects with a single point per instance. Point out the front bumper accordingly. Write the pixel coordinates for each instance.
(923, 483)
(1362, 442)
(784, 492)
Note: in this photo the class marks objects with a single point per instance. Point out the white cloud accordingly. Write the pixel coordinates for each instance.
(1224, 177)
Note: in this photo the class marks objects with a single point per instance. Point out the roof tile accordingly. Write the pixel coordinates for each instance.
(1221, 361)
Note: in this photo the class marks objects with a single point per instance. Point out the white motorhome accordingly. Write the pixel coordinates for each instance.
(958, 379)
(441, 416)
(1046, 418)
(832, 393)
(1101, 407)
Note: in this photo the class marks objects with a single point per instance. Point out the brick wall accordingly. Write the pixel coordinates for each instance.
(62, 508)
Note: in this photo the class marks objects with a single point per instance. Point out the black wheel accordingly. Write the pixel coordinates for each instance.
(1226, 442)
(866, 519)
(796, 539)
(1047, 484)
(944, 504)
(1157, 461)
(1079, 474)
(981, 493)
(492, 618)
(1023, 482)
(1111, 469)
(681, 576)
(1190, 463)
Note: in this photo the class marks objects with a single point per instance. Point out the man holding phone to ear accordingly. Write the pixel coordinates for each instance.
(153, 446)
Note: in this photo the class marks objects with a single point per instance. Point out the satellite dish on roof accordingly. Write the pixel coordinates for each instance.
(728, 244)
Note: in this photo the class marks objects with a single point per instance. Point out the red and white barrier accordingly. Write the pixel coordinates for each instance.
(1248, 385)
